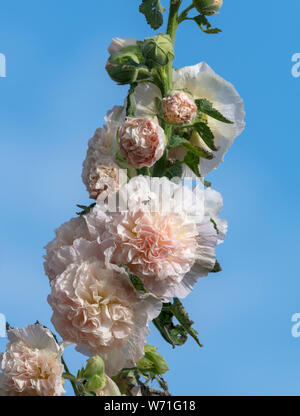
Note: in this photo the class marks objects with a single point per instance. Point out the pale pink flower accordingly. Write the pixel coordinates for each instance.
(142, 141)
(31, 365)
(72, 243)
(104, 177)
(167, 245)
(203, 83)
(213, 205)
(100, 172)
(96, 307)
(179, 108)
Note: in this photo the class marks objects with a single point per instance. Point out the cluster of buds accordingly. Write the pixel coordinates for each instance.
(208, 7)
(131, 60)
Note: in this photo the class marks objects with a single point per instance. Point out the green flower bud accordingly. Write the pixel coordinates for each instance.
(96, 383)
(158, 50)
(208, 7)
(94, 366)
(127, 65)
(152, 362)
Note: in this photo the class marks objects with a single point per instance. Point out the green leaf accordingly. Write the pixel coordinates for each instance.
(205, 26)
(175, 171)
(85, 209)
(137, 283)
(160, 166)
(175, 335)
(175, 141)
(206, 107)
(206, 134)
(183, 318)
(198, 151)
(192, 161)
(153, 11)
(217, 267)
(215, 225)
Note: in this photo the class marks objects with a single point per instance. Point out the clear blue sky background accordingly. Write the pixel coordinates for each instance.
(56, 94)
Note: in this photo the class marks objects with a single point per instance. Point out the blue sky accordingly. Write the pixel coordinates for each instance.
(56, 94)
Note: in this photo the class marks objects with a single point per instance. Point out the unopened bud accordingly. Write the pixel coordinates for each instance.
(158, 50)
(152, 362)
(94, 366)
(96, 383)
(208, 7)
(126, 66)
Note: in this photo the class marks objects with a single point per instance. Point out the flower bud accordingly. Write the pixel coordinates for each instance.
(94, 366)
(158, 50)
(96, 383)
(152, 362)
(179, 108)
(208, 7)
(126, 66)
(110, 389)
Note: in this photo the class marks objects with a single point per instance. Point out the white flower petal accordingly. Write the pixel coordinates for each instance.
(203, 82)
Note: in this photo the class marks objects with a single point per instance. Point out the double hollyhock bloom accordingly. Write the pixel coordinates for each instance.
(179, 108)
(201, 82)
(31, 365)
(166, 237)
(101, 174)
(96, 307)
(71, 244)
(142, 141)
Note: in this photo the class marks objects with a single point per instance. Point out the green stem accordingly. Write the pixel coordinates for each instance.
(70, 377)
(171, 31)
(183, 15)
